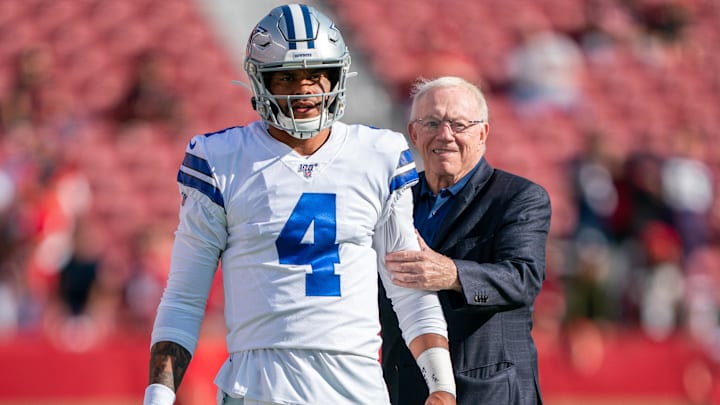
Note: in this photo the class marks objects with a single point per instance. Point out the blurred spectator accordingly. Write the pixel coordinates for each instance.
(661, 27)
(593, 185)
(53, 205)
(9, 244)
(587, 280)
(609, 28)
(28, 165)
(640, 197)
(151, 97)
(702, 298)
(27, 101)
(545, 69)
(661, 283)
(77, 277)
(665, 20)
(687, 187)
(592, 278)
(82, 308)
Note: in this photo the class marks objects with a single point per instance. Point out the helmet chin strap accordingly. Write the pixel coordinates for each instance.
(304, 128)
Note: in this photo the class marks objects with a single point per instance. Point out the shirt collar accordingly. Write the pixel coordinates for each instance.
(453, 190)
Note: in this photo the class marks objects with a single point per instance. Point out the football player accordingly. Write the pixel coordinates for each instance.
(299, 209)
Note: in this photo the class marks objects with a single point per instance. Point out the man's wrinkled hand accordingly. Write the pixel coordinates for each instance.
(425, 269)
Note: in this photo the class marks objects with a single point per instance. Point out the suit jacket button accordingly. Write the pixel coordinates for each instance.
(481, 297)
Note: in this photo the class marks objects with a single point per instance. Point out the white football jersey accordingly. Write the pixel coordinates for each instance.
(300, 239)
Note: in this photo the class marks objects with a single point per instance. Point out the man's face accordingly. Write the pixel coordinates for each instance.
(448, 154)
(300, 82)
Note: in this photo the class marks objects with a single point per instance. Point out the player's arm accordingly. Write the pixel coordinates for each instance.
(199, 240)
(419, 312)
(168, 363)
(182, 308)
(425, 332)
(433, 357)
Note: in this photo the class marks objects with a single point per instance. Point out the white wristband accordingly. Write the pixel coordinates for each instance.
(437, 369)
(158, 394)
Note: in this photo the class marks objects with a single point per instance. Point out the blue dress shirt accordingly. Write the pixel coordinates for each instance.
(431, 209)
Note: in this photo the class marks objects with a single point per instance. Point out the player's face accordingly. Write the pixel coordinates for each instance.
(448, 153)
(300, 82)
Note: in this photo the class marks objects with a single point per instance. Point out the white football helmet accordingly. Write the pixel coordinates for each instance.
(297, 36)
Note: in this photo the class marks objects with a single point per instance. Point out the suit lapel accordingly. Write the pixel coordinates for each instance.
(466, 196)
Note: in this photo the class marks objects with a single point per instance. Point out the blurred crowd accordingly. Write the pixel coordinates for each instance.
(645, 249)
(642, 252)
(82, 255)
(72, 264)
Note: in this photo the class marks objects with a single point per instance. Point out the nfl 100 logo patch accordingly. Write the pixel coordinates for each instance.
(307, 169)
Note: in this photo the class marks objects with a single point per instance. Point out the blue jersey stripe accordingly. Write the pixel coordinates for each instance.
(403, 179)
(198, 164)
(290, 25)
(209, 134)
(308, 26)
(405, 158)
(212, 192)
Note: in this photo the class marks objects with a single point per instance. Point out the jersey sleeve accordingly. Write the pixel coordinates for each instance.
(199, 240)
(418, 311)
(405, 174)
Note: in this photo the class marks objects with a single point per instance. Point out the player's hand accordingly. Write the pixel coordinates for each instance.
(425, 269)
(440, 398)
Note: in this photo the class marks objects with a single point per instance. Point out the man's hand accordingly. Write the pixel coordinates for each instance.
(440, 398)
(425, 269)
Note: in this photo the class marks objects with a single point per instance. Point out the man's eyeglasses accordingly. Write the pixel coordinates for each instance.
(433, 125)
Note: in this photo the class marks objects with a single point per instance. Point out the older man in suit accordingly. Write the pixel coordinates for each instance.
(483, 234)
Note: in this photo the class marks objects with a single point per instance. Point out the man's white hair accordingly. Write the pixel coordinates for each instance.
(422, 85)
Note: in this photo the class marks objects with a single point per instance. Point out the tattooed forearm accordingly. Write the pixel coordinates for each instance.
(168, 363)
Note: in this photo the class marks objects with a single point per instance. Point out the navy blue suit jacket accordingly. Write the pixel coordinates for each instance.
(496, 233)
